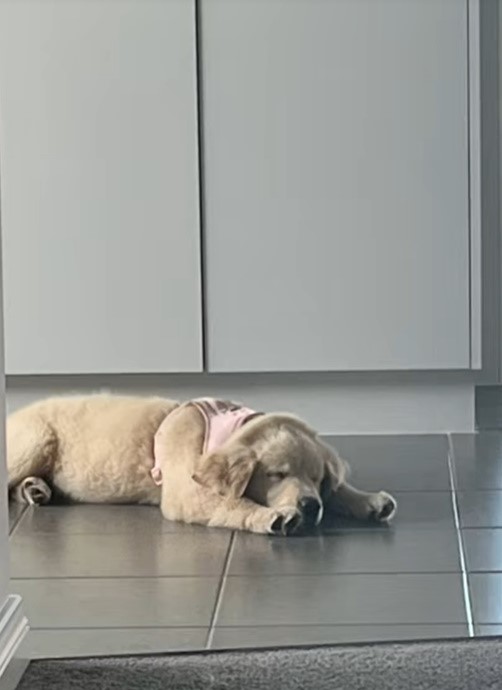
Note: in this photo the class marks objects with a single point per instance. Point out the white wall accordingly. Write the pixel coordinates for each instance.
(4, 544)
(4, 531)
(13, 623)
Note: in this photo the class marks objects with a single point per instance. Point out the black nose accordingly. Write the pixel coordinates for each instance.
(309, 508)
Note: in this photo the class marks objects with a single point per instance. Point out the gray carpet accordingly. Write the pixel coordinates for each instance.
(474, 664)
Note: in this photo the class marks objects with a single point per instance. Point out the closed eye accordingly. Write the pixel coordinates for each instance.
(277, 476)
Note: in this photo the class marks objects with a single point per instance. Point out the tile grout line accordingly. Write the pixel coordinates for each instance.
(460, 540)
(232, 627)
(17, 521)
(240, 576)
(220, 592)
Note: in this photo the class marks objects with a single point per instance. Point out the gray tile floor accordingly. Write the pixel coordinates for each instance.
(111, 579)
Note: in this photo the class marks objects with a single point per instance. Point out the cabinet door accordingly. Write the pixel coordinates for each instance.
(336, 159)
(100, 186)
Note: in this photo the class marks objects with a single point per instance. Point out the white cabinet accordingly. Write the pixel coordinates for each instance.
(340, 177)
(100, 196)
(336, 169)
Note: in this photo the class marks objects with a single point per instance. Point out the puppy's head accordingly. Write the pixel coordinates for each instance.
(279, 463)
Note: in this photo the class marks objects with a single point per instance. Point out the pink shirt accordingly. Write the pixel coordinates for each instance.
(221, 418)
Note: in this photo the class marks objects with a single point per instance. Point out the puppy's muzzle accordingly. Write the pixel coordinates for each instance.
(310, 509)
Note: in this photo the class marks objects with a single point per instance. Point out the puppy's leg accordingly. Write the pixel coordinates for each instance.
(363, 505)
(243, 514)
(31, 451)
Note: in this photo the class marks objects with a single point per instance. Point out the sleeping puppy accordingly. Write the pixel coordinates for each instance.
(206, 461)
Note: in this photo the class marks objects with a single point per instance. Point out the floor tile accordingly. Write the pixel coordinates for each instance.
(16, 510)
(118, 555)
(42, 644)
(480, 508)
(100, 519)
(478, 460)
(406, 463)
(122, 603)
(416, 510)
(419, 509)
(489, 630)
(486, 597)
(342, 599)
(271, 636)
(483, 549)
(406, 551)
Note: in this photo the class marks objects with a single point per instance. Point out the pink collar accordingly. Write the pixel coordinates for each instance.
(222, 418)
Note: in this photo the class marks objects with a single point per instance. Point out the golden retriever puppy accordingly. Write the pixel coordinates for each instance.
(206, 461)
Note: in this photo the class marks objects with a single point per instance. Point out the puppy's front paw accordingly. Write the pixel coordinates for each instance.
(285, 522)
(382, 507)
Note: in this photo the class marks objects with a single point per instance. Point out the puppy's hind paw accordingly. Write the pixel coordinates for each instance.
(33, 491)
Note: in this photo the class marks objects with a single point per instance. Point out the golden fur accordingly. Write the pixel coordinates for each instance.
(274, 475)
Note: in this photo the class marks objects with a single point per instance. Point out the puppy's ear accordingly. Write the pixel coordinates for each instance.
(335, 473)
(227, 472)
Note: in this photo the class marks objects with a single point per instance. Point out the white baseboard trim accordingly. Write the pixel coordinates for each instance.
(13, 629)
(372, 403)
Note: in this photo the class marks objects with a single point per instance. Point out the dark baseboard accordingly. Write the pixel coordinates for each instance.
(489, 407)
